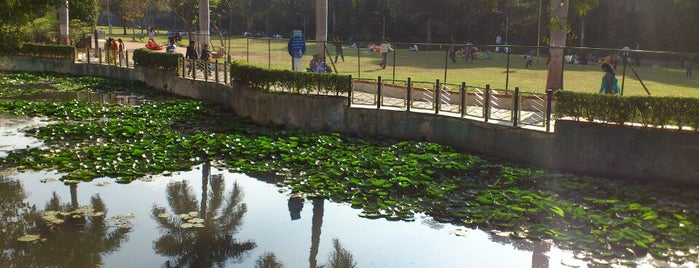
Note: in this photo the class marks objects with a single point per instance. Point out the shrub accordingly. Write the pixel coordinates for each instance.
(46, 51)
(158, 60)
(646, 110)
(299, 82)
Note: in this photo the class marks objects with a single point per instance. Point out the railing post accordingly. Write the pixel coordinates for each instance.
(184, 67)
(486, 103)
(409, 101)
(216, 71)
(549, 102)
(127, 59)
(225, 73)
(437, 96)
(269, 52)
(379, 84)
(507, 71)
(349, 91)
(463, 99)
(515, 109)
(359, 63)
(194, 69)
(87, 52)
(99, 56)
(206, 70)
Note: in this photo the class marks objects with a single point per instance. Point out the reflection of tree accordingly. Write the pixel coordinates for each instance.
(537, 247)
(15, 220)
(211, 244)
(80, 241)
(268, 260)
(341, 257)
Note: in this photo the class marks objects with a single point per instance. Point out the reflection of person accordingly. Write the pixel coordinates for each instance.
(609, 81)
(385, 48)
(688, 67)
(295, 207)
(338, 48)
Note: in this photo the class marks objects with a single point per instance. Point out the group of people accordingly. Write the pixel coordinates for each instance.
(114, 49)
(204, 56)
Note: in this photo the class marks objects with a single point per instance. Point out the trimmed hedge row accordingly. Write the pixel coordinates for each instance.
(646, 110)
(157, 60)
(299, 82)
(45, 51)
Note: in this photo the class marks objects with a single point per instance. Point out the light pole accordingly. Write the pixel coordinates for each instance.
(304, 24)
(383, 24)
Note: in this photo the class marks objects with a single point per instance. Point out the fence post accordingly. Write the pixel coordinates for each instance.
(515, 109)
(359, 63)
(409, 101)
(127, 59)
(507, 71)
(378, 93)
(486, 103)
(247, 50)
(184, 66)
(87, 51)
(349, 91)
(194, 69)
(216, 71)
(437, 96)
(269, 53)
(225, 72)
(99, 56)
(463, 99)
(549, 101)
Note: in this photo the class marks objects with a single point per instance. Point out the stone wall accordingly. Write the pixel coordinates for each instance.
(622, 152)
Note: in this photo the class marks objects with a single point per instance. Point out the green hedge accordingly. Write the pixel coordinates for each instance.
(46, 51)
(299, 82)
(646, 110)
(158, 60)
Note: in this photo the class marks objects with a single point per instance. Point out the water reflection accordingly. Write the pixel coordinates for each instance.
(71, 236)
(201, 234)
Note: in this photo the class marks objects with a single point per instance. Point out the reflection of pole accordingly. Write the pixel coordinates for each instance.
(316, 227)
(205, 174)
(74, 195)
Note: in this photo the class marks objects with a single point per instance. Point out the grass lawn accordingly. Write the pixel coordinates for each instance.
(660, 78)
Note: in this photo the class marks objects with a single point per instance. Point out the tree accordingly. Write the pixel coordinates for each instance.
(16, 13)
(85, 11)
(132, 10)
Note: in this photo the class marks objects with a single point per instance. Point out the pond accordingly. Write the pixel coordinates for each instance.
(116, 180)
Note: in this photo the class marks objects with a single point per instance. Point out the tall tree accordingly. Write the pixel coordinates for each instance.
(85, 10)
(132, 10)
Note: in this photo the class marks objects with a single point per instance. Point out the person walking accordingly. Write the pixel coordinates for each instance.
(338, 48)
(688, 67)
(205, 56)
(191, 55)
(609, 81)
(385, 48)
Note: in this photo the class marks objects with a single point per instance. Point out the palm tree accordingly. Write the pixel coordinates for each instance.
(201, 234)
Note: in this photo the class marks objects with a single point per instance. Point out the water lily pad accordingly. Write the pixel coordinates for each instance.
(164, 215)
(459, 232)
(186, 225)
(101, 184)
(29, 238)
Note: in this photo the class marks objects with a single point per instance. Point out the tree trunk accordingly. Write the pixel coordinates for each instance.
(204, 22)
(554, 79)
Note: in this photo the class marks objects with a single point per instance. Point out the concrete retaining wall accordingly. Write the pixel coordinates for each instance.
(578, 147)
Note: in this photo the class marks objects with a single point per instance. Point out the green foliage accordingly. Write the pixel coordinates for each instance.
(646, 110)
(46, 51)
(299, 82)
(158, 60)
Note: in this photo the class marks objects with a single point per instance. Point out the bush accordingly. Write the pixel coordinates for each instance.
(646, 110)
(46, 51)
(157, 60)
(299, 82)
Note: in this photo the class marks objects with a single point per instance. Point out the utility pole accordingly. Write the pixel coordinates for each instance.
(63, 18)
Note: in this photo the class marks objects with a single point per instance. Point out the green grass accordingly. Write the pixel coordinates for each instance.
(665, 79)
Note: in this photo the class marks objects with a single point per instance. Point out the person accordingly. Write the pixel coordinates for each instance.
(452, 51)
(205, 56)
(171, 46)
(530, 58)
(498, 42)
(414, 48)
(469, 52)
(122, 50)
(609, 81)
(191, 55)
(385, 48)
(688, 67)
(338, 48)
